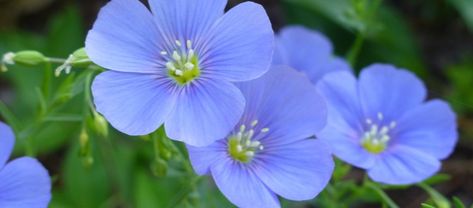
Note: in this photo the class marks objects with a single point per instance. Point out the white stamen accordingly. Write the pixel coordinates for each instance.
(264, 130)
(238, 136)
(239, 148)
(176, 56)
(380, 116)
(368, 121)
(254, 123)
(178, 43)
(261, 147)
(384, 130)
(250, 153)
(178, 72)
(242, 128)
(170, 66)
(189, 66)
(191, 53)
(392, 125)
(251, 133)
(384, 138)
(189, 44)
(374, 129)
(164, 53)
(255, 144)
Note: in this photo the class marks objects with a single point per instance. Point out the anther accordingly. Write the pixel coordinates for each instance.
(189, 44)
(264, 130)
(178, 43)
(242, 128)
(384, 130)
(178, 72)
(250, 153)
(164, 53)
(176, 56)
(255, 144)
(254, 123)
(170, 66)
(189, 66)
(191, 53)
(380, 116)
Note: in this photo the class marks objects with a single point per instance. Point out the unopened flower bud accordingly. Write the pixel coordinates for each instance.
(29, 58)
(84, 142)
(100, 125)
(159, 168)
(80, 59)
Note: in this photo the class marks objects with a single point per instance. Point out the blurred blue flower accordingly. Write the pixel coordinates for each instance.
(24, 182)
(307, 51)
(382, 124)
(270, 151)
(176, 63)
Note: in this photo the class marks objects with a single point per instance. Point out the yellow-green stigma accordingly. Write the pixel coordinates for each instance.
(183, 64)
(376, 138)
(242, 146)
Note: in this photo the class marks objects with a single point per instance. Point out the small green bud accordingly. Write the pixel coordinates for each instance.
(85, 149)
(87, 161)
(80, 59)
(84, 142)
(3, 68)
(100, 125)
(29, 58)
(159, 167)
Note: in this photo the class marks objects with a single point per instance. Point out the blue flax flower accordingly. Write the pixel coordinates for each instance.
(382, 123)
(307, 51)
(175, 64)
(24, 182)
(270, 151)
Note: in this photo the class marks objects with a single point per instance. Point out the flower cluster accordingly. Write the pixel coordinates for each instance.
(203, 74)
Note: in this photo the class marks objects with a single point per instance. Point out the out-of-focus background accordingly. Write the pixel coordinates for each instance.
(433, 38)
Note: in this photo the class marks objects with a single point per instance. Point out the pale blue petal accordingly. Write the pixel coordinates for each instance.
(307, 51)
(205, 111)
(286, 102)
(296, 171)
(240, 45)
(186, 19)
(430, 128)
(135, 104)
(7, 142)
(346, 144)
(403, 165)
(340, 91)
(202, 158)
(390, 91)
(241, 185)
(125, 38)
(24, 183)
(344, 125)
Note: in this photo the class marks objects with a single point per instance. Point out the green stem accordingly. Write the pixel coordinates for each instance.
(56, 60)
(182, 195)
(355, 49)
(381, 194)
